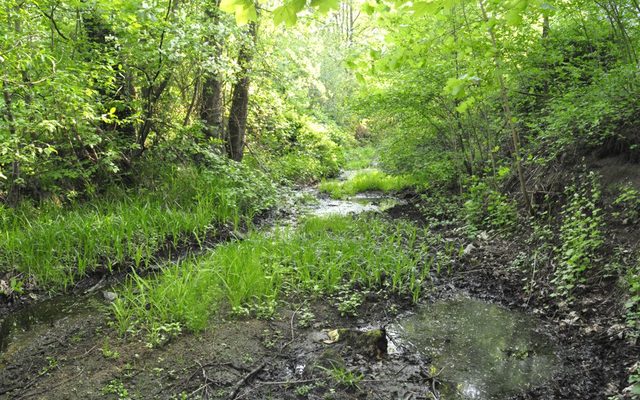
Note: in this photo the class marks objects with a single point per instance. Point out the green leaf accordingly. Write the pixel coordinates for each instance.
(324, 6)
(426, 7)
(514, 17)
(284, 14)
(231, 5)
(246, 14)
(368, 9)
(244, 10)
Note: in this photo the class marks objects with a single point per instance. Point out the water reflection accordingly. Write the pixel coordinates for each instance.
(485, 351)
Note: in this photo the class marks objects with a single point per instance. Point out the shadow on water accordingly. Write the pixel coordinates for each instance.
(21, 326)
(484, 351)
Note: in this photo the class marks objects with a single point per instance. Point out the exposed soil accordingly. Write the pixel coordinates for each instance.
(80, 357)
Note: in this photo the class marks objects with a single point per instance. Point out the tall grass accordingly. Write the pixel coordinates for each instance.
(368, 180)
(320, 257)
(53, 246)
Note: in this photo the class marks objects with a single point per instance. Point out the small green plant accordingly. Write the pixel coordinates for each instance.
(487, 208)
(108, 352)
(580, 234)
(627, 205)
(117, 388)
(304, 390)
(15, 287)
(161, 334)
(305, 317)
(348, 303)
(344, 377)
(52, 363)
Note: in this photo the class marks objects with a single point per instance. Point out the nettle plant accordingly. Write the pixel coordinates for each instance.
(580, 233)
(485, 207)
(627, 205)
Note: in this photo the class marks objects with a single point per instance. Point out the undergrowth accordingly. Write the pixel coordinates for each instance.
(359, 157)
(367, 180)
(321, 257)
(580, 234)
(52, 245)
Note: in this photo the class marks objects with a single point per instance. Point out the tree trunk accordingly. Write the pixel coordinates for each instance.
(240, 100)
(212, 105)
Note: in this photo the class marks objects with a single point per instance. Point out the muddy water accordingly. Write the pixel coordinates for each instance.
(483, 351)
(23, 326)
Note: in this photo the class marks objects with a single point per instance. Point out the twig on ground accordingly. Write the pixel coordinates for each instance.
(245, 379)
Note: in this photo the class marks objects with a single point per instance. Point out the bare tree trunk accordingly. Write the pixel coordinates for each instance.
(240, 99)
(212, 105)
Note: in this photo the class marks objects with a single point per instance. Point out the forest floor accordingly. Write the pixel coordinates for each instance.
(296, 355)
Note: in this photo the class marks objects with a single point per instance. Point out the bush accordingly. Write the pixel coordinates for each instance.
(487, 208)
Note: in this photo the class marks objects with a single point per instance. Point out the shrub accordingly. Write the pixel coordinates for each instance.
(487, 208)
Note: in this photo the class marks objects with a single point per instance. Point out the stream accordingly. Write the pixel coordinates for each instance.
(19, 328)
(480, 350)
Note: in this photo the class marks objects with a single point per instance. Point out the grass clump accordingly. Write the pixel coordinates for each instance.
(321, 257)
(367, 180)
(53, 245)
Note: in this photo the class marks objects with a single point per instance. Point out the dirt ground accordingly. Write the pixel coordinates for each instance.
(80, 357)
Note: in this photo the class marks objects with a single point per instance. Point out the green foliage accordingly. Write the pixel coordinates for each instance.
(324, 256)
(580, 234)
(300, 149)
(344, 377)
(363, 181)
(116, 387)
(627, 205)
(53, 245)
(360, 157)
(485, 207)
(632, 304)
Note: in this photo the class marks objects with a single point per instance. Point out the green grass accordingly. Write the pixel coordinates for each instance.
(368, 180)
(51, 246)
(359, 157)
(323, 256)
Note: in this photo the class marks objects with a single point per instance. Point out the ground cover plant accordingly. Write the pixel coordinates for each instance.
(365, 181)
(133, 131)
(321, 257)
(53, 245)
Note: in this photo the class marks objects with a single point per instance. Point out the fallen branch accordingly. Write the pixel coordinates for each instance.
(244, 380)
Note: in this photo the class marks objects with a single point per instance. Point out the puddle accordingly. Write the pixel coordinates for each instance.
(19, 328)
(483, 351)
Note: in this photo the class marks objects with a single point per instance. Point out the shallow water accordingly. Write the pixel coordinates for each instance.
(20, 327)
(484, 351)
